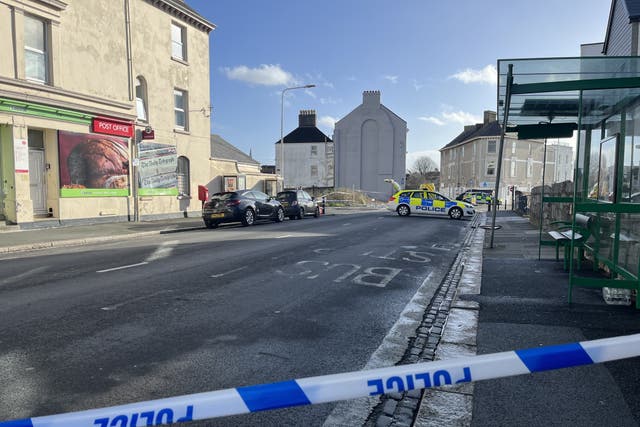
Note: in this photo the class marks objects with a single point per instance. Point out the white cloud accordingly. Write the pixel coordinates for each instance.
(310, 93)
(392, 79)
(452, 117)
(461, 117)
(267, 75)
(488, 75)
(329, 101)
(417, 86)
(327, 122)
(431, 119)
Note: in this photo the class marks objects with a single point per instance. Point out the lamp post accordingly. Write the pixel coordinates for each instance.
(282, 126)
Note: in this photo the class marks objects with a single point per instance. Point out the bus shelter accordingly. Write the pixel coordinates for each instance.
(597, 101)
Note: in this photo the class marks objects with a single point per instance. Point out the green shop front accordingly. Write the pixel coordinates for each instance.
(596, 101)
(62, 165)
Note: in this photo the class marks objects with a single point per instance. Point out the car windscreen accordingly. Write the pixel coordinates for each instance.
(286, 197)
(223, 196)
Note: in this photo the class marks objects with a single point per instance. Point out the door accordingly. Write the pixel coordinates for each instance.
(37, 182)
(439, 203)
(417, 203)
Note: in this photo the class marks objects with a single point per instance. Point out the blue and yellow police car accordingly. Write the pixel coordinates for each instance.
(424, 202)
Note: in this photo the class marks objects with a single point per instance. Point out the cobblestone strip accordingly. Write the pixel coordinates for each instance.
(405, 409)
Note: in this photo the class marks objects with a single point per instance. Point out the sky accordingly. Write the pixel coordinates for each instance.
(434, 61)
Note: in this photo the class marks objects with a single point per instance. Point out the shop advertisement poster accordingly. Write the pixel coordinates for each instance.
(93, 165)
(157, 169)
(21, 155)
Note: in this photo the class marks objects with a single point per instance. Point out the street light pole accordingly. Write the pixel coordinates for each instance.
(282, 126)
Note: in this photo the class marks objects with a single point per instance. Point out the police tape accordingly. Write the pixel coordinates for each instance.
(329, 388)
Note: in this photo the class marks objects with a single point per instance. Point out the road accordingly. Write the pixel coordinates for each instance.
(197, 311)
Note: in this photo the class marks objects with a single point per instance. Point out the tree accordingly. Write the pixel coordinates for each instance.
(424, 170)
(423, 165)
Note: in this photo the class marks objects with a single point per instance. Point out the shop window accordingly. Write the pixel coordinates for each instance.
(141, 99)
(36, 58)
(178, 42)
(184, 187)
(180, 109)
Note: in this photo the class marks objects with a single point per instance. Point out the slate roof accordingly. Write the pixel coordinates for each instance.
(479, 130)
(633, 8)
(305, 134)
(221, 149)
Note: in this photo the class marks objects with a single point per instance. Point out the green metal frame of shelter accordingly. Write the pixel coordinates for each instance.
(600, 98)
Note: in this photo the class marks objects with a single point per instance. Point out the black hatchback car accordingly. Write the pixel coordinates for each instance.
(298, 203)
(245, 206)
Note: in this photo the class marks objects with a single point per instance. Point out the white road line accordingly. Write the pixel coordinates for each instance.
(122, 267)
(285, 236)
(228, 272)
(116, 306)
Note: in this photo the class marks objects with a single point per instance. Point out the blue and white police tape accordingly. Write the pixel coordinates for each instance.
(329, 388)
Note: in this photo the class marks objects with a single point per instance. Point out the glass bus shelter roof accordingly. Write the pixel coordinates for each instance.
(548, 89)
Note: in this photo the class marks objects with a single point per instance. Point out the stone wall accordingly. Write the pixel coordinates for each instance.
(551, 211)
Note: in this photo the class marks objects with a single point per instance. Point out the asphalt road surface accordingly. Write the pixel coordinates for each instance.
(197, 311)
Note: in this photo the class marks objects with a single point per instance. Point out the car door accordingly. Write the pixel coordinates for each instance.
(417, 202)
(262, 204)
(438, 203)
(308, 204)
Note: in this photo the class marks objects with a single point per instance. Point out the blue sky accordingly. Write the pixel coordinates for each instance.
(433, 61)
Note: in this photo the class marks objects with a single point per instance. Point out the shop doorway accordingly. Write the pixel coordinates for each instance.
(37, 181)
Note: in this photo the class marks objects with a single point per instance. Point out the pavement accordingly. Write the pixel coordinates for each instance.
(494, 299)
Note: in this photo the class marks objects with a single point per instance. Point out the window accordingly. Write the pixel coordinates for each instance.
(242, 182)
(184, 189)
(178, 42)
(491, 167)
(35, 50)
(180, 108)
(314, 171)
(417, 195)
(491, 146)
(141, 99)
(314, 150)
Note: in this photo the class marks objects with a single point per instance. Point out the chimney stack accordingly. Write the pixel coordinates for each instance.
(371, 98)
(490, 116)
(307, 118)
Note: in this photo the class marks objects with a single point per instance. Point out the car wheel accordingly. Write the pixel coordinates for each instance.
(248, 218)
(403, 210)
(455, 213)
(279, 215)
(316, 213)
(301, 213)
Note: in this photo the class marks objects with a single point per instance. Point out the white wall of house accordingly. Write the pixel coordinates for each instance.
(309, 164)
(370, 145)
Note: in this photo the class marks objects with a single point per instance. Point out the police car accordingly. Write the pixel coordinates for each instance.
(424, 202)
